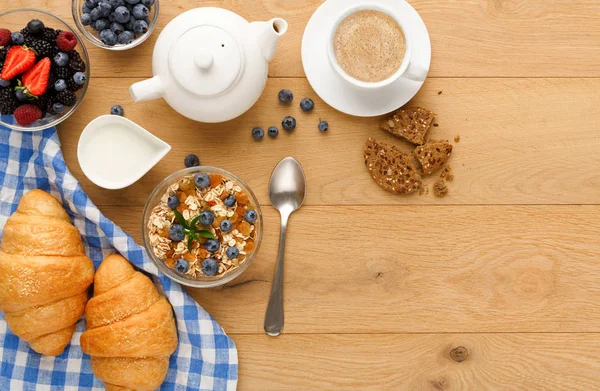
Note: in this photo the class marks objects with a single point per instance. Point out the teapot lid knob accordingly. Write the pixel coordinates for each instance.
(204, 59)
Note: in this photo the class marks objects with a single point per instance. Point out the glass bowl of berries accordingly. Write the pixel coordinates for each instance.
(202, 227)
(115, 24)
(44, 69)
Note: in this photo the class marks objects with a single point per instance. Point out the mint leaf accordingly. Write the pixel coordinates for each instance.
(180, 218)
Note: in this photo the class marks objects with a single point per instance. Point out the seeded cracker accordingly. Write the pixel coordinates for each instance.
(440, 189)
(391, 168)
(433, 156)
(411, 124)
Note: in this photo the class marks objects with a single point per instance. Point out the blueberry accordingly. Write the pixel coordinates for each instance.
(210, 267)
(58, 108)
(21, 96)
(101, 25)
(86, 19)
(176, 232)
(323, 126)
(191, 160)
(36, 27)
(140, 11)
(273, 131)
(148, 3)
(117, 28)
(108, 37)
(230, 201)
(307, 105)
(17, 38)
(258, 133)
(95, 14)
(91, 3)
(202, 180)
(105, 8)
(207, 217)
(86, 9)
(117, 110)
(226, 225)
(79, 78)
(129, 27)
(289, 123)
(4, 83)
(212, 245)
(132, 1)
(182, 266)
(122, 14)
(111, 18)
(232, 252)
(116, 3)
(140, 27)
(126, 37)
(250, 216)
(173, 202)
(285, 96)
(60, 85)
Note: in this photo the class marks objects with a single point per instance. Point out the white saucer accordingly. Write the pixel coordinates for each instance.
(338, 93)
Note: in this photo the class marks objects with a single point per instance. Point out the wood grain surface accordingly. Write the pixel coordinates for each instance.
(495, 287)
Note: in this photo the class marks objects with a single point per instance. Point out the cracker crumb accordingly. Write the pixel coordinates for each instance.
(457, 138)
(439, 92)
(440, 189)
(424, 190)
(447, 174)
(436, 125)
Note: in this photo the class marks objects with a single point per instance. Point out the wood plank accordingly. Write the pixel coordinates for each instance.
(470, 38)
(370, 269)
(420, 362)
(523, 141)
(495, 362)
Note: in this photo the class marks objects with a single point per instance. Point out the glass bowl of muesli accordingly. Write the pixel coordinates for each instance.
(202, 227)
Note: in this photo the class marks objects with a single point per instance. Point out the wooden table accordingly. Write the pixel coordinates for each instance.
(495, 287)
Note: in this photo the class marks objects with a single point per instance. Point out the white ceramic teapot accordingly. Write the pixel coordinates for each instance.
(210, 64)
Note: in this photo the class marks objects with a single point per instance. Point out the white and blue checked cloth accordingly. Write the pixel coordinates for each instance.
(206, 358)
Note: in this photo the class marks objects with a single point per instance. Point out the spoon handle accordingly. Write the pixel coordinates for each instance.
(274, 316)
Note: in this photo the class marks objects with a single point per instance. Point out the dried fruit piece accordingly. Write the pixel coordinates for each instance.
(249, 246)
(189, 257)
(391, 168)
(433, 156)
(241, 198)
(244, 228)
(411, 124)
(215, 180)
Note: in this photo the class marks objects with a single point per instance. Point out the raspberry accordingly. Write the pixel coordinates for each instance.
(5, 38)
(27, 114)
(66, 41)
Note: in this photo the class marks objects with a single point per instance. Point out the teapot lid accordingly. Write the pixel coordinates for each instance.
(205, 60)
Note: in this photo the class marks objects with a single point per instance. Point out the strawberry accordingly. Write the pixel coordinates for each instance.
(66, 41)
(27, 114)
(35, 80)
(5, 38)
(18, 60)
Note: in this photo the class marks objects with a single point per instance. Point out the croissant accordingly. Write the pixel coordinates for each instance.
(130, 328)
(44, 274)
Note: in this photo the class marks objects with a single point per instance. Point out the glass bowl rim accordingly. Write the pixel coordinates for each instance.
(82, 92)
(164, 269)
(76, 12)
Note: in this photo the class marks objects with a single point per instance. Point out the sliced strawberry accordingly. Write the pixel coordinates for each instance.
(18, 60)
(35, 80)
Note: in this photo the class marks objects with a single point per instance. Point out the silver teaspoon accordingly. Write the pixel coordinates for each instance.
(287, 189)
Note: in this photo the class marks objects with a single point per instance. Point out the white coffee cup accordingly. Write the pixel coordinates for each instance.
(408, 69)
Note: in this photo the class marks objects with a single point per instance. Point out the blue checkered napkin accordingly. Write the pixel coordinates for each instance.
(206, 358)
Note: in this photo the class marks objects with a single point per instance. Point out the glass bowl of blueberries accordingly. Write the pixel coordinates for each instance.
(202, 226)
(44, 69)
(116, 24)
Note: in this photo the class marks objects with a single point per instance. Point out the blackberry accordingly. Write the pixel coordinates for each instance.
(67, 98)
(41, 47)
(72, 86)
(51, 80)
(8, 101)
(25, 33)
(75, 61)
(64, 73)
(3, 52)
(42, 102)
(49, 35)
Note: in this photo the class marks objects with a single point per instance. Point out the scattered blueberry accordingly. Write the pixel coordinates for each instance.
(173, 202)
(182, 266)
(4, 83)
(21, 96)
(202, 180)
(58, 108)
(286, 96)
(108, 37)
(95, 14)
(232, 252)
(140, 27)
(148, 3)
(35, 27)
(307, 105)
(140, 11)
(117, 110)
(17, 38)
(230, 201)
(323, 126)
(226, 225)
(258, 133)
(126, 37)
(289, 123)
(86, 19)
(210, 267)
(191, 160)
(117, 28)
(207, 217)
(79, 78)
(212, 245)
(60, 85)
(250, 216)
(273, 131)
(176, 232)
(122, 14)
(101, 25)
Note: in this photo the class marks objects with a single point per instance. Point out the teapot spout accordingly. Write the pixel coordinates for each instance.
(268, 34)
(147, 90)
